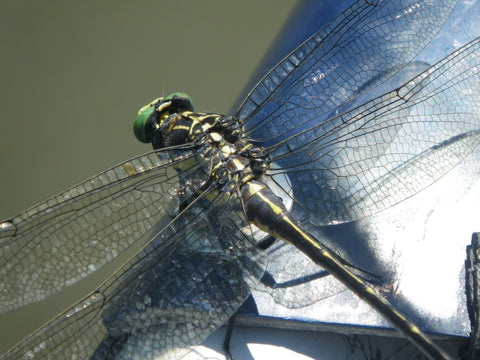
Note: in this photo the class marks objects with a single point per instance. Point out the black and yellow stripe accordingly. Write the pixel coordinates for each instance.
(265, 210)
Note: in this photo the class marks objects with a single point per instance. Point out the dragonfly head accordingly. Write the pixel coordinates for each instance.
(158, 110)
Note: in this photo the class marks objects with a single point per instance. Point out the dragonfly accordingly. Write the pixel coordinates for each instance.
(309, 144)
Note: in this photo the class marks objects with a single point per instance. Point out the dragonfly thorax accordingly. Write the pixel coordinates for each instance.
(171, 121)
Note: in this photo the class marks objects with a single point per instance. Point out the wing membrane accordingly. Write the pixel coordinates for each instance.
(73, 234)
(365, 45)
(168, 298)
(368, 159)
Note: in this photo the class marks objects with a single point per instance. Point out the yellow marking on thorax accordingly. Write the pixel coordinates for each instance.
(238, 164)
(179, 127)
(247, 146)
(215, 137)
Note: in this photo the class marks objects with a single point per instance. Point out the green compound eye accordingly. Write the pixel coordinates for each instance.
(175, 102)
(142, 117)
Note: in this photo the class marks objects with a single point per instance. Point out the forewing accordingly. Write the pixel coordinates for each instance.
(364, 46)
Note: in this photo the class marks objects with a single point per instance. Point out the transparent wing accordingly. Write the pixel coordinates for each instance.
(380, 153)
(168, 298)
(73, 234)
(365, 45)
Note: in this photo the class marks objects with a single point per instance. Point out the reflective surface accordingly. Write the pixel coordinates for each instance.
(417, 245)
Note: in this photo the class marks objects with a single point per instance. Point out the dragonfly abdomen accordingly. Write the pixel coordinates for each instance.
(266, 210)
